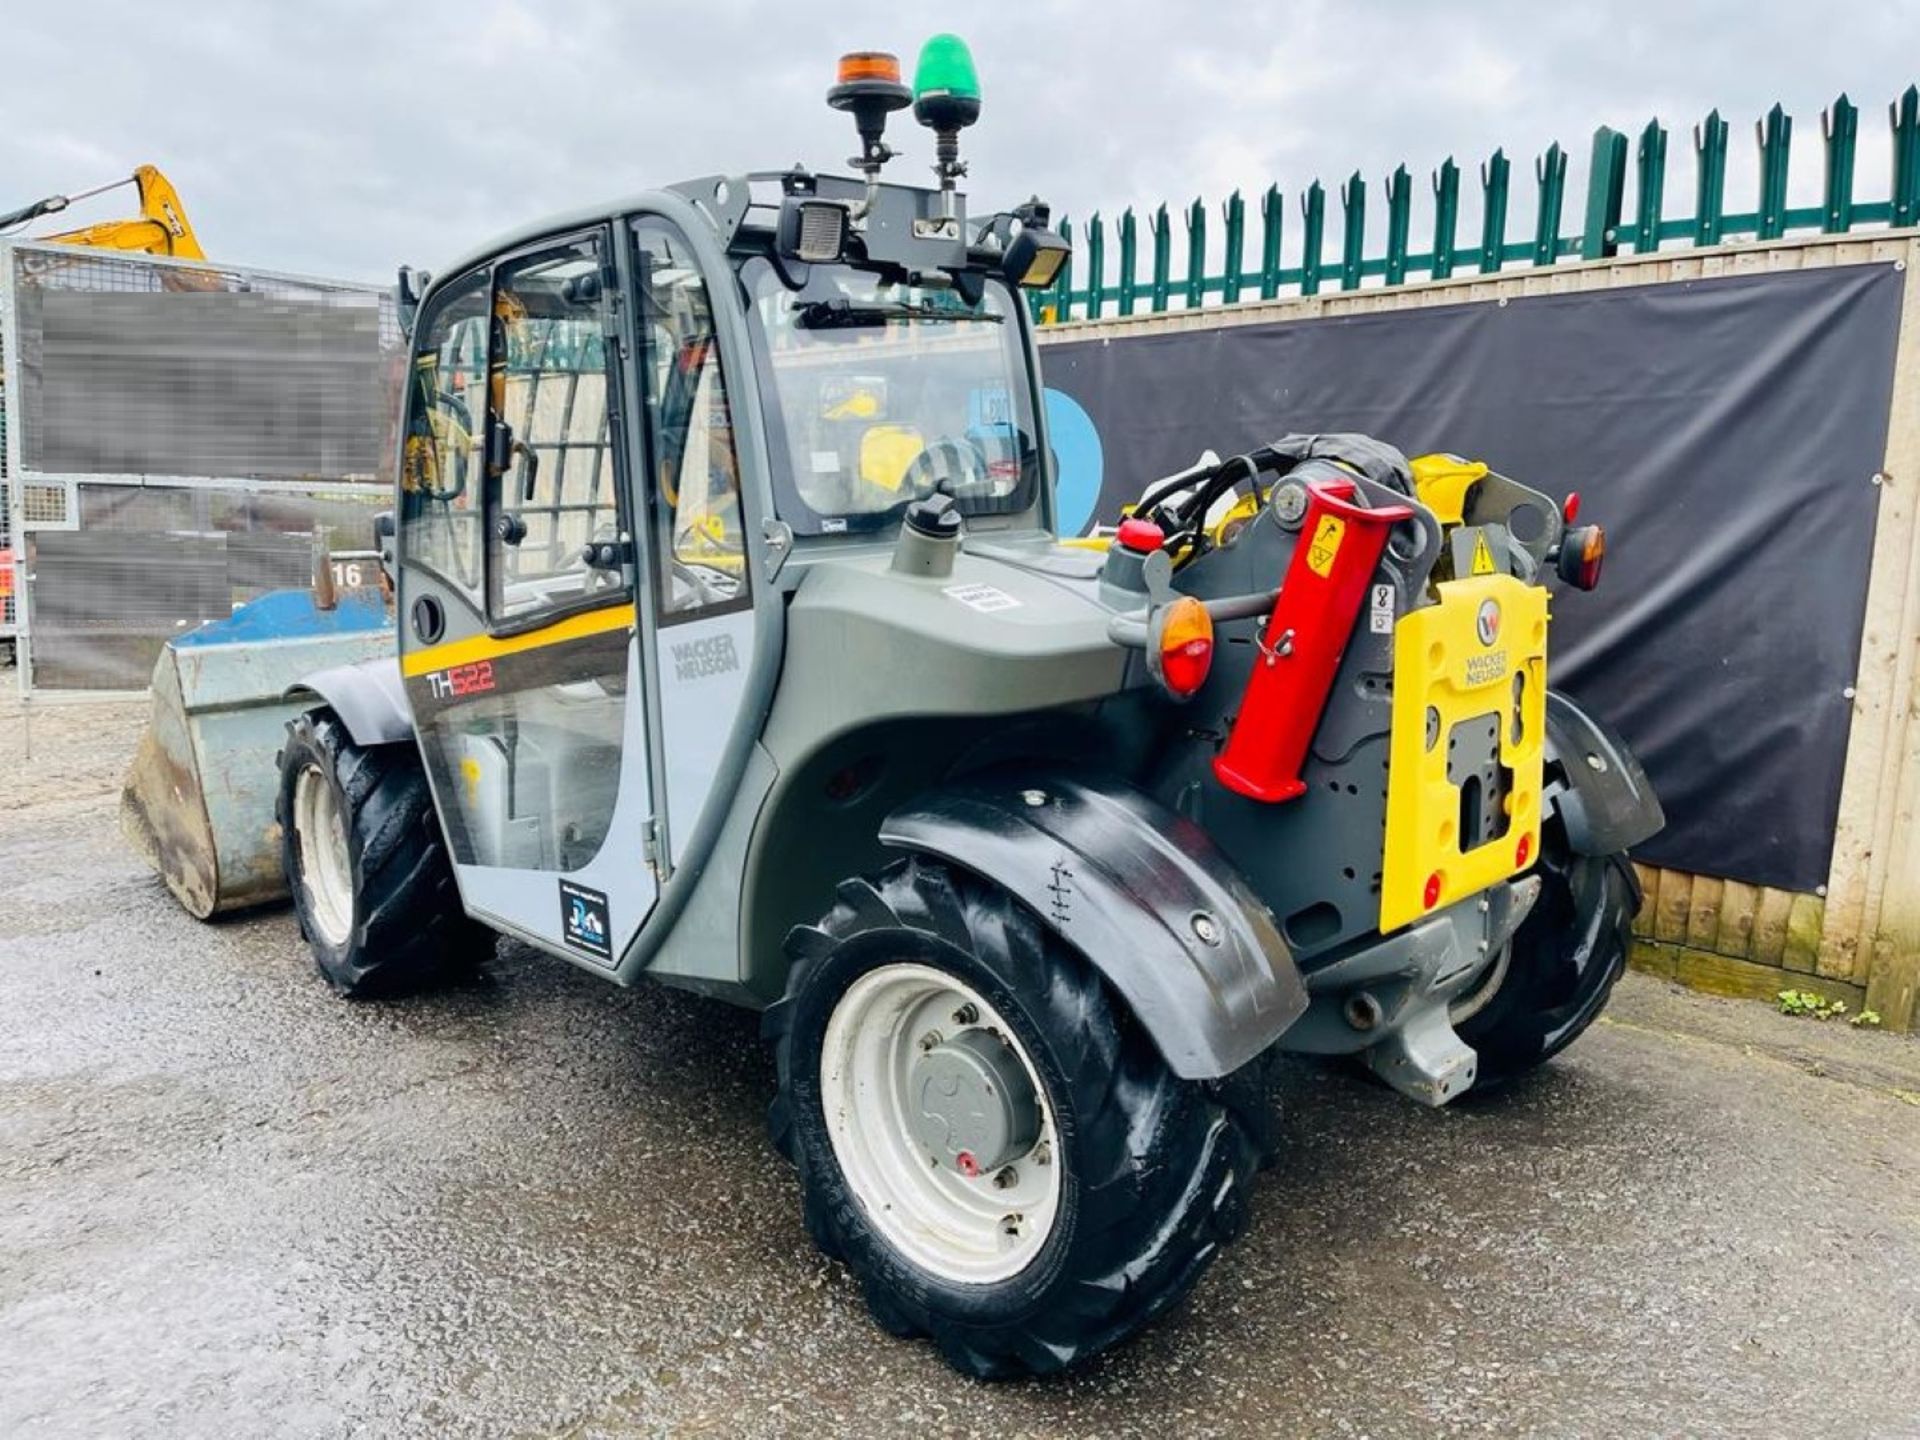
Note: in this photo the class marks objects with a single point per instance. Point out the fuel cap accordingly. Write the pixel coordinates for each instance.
(936, 517)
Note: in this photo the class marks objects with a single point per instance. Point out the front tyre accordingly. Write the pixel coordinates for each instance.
(372, 884)
(984, 1135)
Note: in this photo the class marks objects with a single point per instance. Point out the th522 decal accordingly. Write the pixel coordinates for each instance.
(459, 681)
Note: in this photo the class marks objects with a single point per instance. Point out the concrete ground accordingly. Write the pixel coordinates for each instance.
(232, 1204)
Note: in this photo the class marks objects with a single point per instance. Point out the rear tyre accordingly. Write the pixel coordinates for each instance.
(1100, 1193)
(1560, 970)
(372, 884)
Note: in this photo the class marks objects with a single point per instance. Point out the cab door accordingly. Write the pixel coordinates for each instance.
(518, 632)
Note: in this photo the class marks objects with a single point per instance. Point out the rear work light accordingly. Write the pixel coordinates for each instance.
(1582, 551)
(1182, 651)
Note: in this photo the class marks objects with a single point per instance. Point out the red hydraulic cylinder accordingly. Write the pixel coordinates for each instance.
(1319, 600)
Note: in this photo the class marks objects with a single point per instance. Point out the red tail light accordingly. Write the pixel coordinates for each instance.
(1186, 646)
(1582, 551)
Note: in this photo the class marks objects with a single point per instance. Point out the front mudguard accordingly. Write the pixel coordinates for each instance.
(1140, 891)
(1596, 785)
(370, 698)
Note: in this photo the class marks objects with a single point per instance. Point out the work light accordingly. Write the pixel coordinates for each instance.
(813, 230)
(1034, 257)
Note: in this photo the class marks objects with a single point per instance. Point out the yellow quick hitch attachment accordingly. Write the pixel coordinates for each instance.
(1465, 758)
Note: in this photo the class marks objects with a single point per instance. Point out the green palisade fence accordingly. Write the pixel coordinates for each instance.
(1088, 288)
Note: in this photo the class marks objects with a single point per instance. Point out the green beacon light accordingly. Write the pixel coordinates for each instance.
(946, 99)
(946, 87)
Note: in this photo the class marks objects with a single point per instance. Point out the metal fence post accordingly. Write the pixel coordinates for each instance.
(1353, 224)
(1652, 178)
(1905, 116)
(1710, 141)
(1196, 253)
(1270, 216)
(1841, 126)
(1606, 188)
(1550, 170)
(1313, 209)
(1096, 265)
(1236, 216)
(1775, 134)
(1162, 258)
(1446, 216)
(1493, 222)
(1399, 213)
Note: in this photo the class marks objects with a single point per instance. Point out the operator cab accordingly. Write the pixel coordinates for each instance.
(889, 334)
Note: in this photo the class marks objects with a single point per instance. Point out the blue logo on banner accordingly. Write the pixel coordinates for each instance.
(1078, 458)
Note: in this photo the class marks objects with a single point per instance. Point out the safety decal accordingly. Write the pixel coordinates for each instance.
(1325, 545)
(984, 598)
(1482, 554)
(1380, 615)
(583, 920)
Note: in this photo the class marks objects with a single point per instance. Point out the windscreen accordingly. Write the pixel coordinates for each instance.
(886, 391)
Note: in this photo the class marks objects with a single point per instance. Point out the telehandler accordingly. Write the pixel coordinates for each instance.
(738, 648)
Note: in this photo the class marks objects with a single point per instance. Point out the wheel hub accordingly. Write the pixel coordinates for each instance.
(974, 1108)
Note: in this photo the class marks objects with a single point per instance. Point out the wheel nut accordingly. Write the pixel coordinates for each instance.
(1034, 798)
(1206, 928)
(1043, 1153)
(1010, 1224)
(929, 1040)
(1006, 1179)
(967, 1014)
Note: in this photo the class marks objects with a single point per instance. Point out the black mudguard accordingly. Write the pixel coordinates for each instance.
(1593, 780)
(1138, 890)
(370, 698)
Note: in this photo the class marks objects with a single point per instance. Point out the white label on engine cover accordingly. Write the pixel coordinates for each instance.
(984, 598)
(1380, 619)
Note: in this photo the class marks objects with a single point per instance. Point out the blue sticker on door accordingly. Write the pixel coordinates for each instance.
(583, 920)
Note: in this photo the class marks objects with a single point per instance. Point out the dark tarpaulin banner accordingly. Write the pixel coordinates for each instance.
(1724, 431)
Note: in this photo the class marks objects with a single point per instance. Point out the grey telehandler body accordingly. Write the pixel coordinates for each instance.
(738, 648)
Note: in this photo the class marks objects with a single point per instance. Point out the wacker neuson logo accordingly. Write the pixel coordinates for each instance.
(697, 659)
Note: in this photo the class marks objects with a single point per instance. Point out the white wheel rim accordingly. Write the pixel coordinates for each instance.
(965, 1230)
(326, 870)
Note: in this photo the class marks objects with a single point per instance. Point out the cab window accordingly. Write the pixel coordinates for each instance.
(441, 461)
(553, 450)
(694, 484)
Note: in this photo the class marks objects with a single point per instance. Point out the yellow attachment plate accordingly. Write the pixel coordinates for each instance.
(1447, 673)
(1442, 482)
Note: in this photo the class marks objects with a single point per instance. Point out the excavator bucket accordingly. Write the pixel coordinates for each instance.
(199, 798)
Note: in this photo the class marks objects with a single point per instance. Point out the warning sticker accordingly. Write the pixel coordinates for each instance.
(1325, 544)
(1482, 554)
(984, 598)
(1380, 615)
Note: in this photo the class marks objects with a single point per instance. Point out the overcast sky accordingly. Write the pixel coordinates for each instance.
(342, 137)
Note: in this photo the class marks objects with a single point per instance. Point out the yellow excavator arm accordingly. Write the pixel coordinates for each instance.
(161, 228)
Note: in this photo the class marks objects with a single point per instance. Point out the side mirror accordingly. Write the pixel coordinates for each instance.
(385, 539)
(408, 291)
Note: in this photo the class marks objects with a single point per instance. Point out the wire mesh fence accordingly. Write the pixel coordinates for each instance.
(175, 436)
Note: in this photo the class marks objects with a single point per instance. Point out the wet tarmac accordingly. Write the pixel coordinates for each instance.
(231, 1204)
